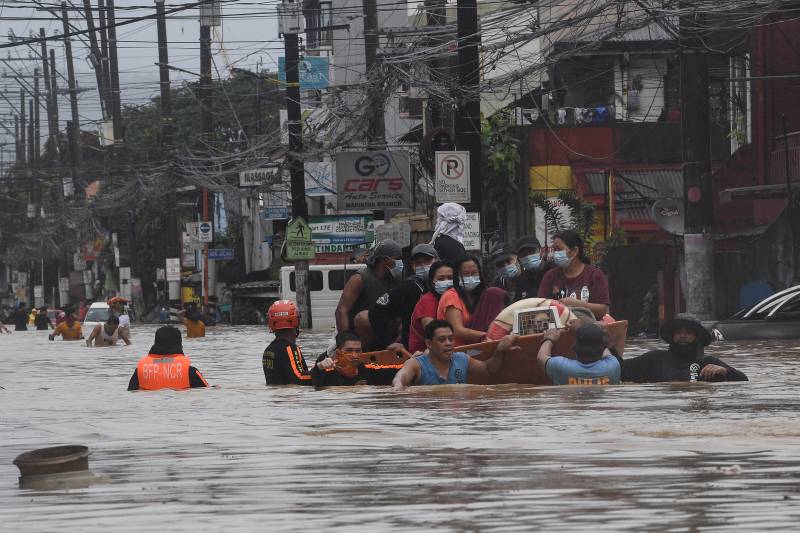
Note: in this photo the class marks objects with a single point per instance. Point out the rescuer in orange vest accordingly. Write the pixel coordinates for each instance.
(165, 366)
(283, 361)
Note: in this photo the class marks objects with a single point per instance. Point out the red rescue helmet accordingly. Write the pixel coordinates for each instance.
(283, 315)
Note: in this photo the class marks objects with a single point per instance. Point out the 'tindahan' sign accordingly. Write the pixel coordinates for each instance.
(373, 180)
(452, 177)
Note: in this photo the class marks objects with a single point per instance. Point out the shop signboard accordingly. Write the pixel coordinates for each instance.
(341, 233)
(373, 180)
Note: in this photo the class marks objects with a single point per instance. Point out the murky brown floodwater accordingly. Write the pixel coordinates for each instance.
(246, 457)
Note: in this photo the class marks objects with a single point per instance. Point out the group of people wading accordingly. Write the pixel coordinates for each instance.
(447, 303)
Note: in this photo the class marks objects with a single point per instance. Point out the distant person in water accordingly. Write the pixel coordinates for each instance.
(441, 365)
(192, 318)
(684, 360)
(106, 334)
(166, 366)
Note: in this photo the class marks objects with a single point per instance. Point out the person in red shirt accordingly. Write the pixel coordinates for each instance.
(575, 282)
(440, 278)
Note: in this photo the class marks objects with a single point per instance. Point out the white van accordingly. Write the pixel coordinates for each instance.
(326, 282)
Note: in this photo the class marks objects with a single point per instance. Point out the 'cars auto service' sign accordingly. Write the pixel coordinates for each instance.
(373, 180)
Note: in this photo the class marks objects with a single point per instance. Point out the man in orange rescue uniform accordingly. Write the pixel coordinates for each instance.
(283, 361)
(166, 367)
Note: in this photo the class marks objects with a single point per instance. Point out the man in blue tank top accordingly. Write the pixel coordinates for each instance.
(594, 365)
(440, 365)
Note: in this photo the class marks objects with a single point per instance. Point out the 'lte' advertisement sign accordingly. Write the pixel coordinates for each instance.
(373, 180)
(452, 177)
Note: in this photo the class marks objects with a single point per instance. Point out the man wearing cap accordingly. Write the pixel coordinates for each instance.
(384, 271)
(594, 364)
(165, 366)
(390, 316)
(685, 359)
(519, 268)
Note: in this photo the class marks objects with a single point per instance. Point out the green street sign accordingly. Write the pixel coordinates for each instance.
(299, 245)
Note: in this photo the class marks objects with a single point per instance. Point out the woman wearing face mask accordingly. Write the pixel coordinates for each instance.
(574, 282)
(440, 279)
(469, 306)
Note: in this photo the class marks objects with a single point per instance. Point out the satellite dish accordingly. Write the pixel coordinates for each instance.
(668, 214)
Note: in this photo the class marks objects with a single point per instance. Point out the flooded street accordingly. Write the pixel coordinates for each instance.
(243, 456)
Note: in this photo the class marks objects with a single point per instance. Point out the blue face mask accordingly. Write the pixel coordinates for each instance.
(397, 270)
(441, 286)
(422, 271)
(510, 271)
(560, 258)
(470, 282)
(531, 262)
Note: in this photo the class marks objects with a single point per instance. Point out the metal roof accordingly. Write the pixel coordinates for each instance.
(636, 190)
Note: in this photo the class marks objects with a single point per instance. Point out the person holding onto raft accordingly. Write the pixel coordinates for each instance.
(574, 282)
(441, 365)
(166, 366)
(383, 273)
(440, 279)
(595, 365)
(282, 360)
(684, 360)
(390, 315)
(469, 306)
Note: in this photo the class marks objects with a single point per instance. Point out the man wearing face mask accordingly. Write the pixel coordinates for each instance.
(383, 273)
(392, 311)
(684, 360)
(519, 269)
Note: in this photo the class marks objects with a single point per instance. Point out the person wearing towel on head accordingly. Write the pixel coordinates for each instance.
(448, 235)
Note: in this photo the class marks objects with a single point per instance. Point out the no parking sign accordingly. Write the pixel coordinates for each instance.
(452, 177)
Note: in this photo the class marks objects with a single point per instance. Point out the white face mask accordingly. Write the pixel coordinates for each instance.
(470, 283)
(441, 286)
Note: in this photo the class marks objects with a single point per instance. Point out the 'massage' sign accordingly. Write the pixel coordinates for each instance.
(373, 180)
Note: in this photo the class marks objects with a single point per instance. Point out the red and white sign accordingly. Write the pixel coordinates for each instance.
(373, 180)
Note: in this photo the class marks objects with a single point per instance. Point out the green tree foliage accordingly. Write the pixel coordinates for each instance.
(581, 218)
(499, 163)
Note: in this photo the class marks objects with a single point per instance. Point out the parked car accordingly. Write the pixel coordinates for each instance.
(98, 313)
(774, 317)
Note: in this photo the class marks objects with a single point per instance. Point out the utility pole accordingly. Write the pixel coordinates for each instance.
(207, 19)
(290, 24)
(95, 57)
(699, 217)
(31, 142)
(54, 92)
(101, 14)
(49, 98)
(16, 136)
(37, 148)
(436, 11)
(116, 109)
(23, 132)
(468, 122)
(163, 60)
(75, 125)
(377, 129)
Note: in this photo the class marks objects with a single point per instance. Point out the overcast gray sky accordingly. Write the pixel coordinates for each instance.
(248, 35)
